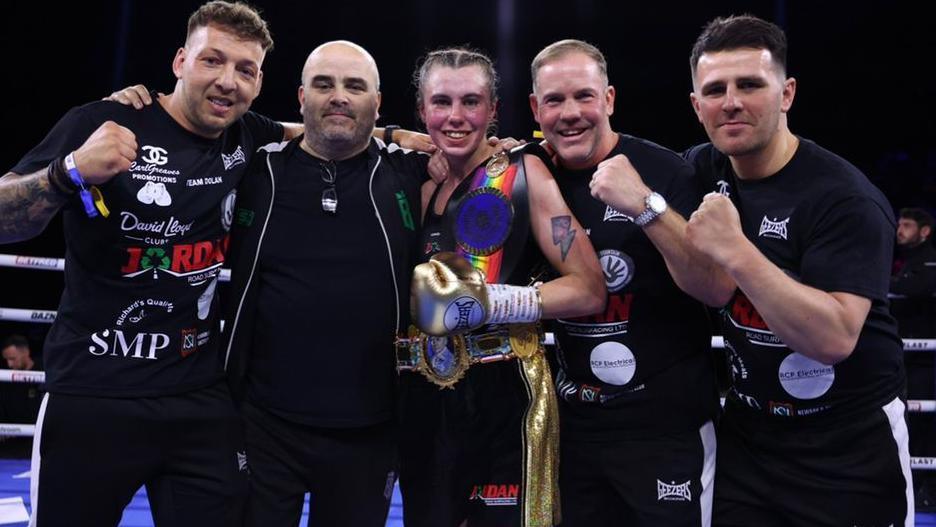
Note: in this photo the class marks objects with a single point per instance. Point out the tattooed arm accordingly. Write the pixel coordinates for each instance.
(581, 288)
(27, 203)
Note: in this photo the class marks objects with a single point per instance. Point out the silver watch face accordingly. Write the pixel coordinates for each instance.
(656, 203)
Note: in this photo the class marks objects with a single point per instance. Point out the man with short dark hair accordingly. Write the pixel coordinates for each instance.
(136, 391)
(16, 353)
(813, 432)
(19, 401)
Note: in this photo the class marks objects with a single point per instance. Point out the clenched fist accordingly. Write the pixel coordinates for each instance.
(107, 152)
(618, 184)
(714, 229)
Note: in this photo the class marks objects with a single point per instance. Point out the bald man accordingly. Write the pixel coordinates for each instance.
(321, 248)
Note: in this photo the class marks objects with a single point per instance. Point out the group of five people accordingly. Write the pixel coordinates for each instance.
(607, 235)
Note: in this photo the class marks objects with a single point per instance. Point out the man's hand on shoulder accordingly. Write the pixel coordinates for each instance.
(137, 96)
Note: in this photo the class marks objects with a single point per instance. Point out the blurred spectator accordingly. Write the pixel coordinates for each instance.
(19, 402)
(914, 275)
(913, 284)
(16, 353)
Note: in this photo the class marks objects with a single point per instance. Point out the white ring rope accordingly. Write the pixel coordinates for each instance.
(58, 264)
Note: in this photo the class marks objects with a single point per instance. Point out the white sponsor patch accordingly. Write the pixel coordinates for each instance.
(613, 363)
(805, 378)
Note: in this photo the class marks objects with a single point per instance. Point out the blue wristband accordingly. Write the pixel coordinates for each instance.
(79, 182)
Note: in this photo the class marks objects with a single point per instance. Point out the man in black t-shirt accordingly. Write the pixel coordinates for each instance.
(813, 432)
(636, 383)
(134, 374)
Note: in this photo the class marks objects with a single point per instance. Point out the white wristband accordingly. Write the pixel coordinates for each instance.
(511, 304)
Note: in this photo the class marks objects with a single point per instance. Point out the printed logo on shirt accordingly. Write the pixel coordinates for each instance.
(614, 320)
(233, 159)
(201, 181)
(613, 363)
(117, 343)
(738, 369)
(198, 262)
(613, 215)
(149, 169)
(432, 247)
(154, 155)
(245, 217)
(723, 187)
(188, 342)
(743, 315)
(405, 210)
(590, 394)
(165, 228)
(618, 269)
(805, 378)
(227, 210)
(673, 492)
(780, 409)
(241, 457)
(494, 495)
(747, 399)
(154, 193)
(773, 228)
(204, 300)
(140, 309)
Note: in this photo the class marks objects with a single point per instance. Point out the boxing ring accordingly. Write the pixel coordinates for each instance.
(43, 316)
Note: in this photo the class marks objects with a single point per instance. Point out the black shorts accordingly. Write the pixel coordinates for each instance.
(850, 473)
(349, 472)
(663, 481)
(462, 449)
(91, 455)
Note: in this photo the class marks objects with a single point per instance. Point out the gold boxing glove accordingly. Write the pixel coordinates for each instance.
(449, 296)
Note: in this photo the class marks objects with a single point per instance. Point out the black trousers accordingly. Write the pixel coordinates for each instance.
(852, 473)
(91, 455)
(462, 448)
(350, 472)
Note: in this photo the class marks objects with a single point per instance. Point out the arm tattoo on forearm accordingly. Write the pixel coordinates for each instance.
(563, 234)
(27, 203)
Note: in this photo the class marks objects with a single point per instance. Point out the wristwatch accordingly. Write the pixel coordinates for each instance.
(656, 205)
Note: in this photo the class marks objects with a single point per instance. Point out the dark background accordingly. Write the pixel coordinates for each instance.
(864, 71)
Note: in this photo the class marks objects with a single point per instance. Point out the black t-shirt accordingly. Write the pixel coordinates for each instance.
(138, 316)
(643, 366)
(323, 336)
(825, 225)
